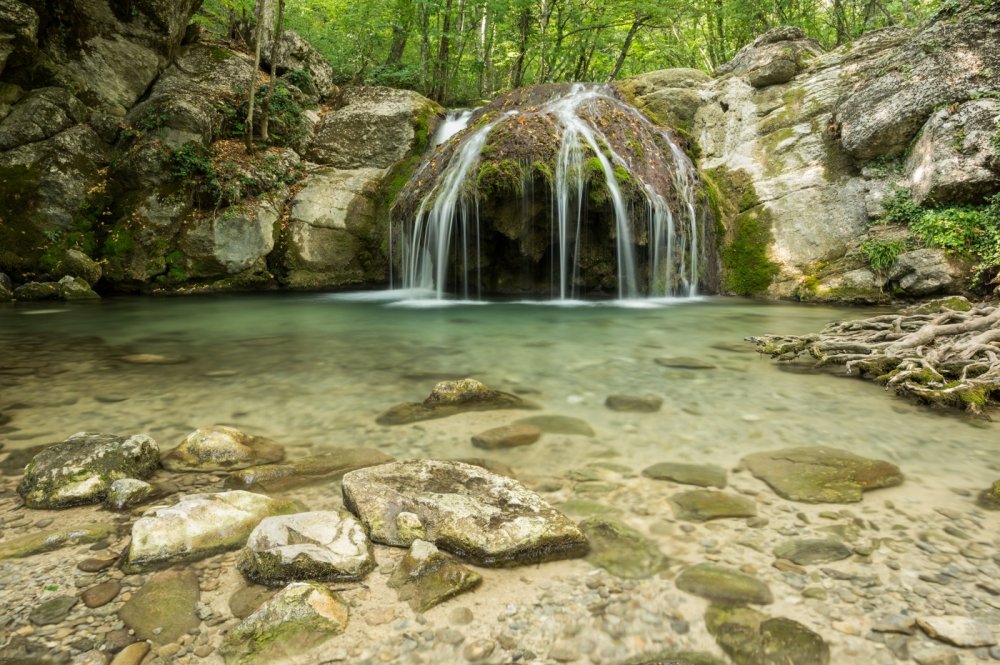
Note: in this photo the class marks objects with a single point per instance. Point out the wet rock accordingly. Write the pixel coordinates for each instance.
(668, 96)
(750, 638)
(75, 263)
(200, 525)
(321, 546)
(163, 609)
(924, 272)
(37, 291)
(326, 467)
(954, 303)
(683, 363)
(895, 623)
(101, 594)
(957, 630)
(450, 398)
(221, 448)
(587, 508)
(990, 498)
(932, 654)
(621, 550)
(675, 658)
(508, 436)
(821, 475)
(53, 539)
(427, 577)
(808, 551)
(556, 424)
(485, 518)
(774, 57)
(634, 403)
(704, 505)
(298, 618)
(96, 564)
(127, 492)
(74, 288)
(81, 468)
(703, 475)
(153, 359)
(52, 610)
(723, 585)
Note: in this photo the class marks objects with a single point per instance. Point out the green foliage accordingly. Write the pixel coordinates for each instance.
(900, 208)
(301, 79)
(995, 140)
(881, 255)
(191, 160)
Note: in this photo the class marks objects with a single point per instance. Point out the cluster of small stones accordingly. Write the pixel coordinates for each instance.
(875, 580)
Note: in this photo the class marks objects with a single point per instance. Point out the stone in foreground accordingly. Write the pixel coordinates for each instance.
(751, 638)
(723, 585)
(298, 618)
(325, 467)
(705, 505)
(427, 577)
(53, 539)
(323, 546)
(634, 403)
(221, 448)
(200, 525)
(127, 492)
(821, 475)
(508, 436)
(450, 398)
(163, 610)
(488, 519)
(958, 630)
(621, 550)
(81, 469)
(702, 475)
(807, 551)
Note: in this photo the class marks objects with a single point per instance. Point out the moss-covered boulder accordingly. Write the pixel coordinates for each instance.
(300, 617)
(450, 398)
(200, 525)
(75, 263)
(221, 448)
(426, 577)
(487, 519)
(620, 549)
(322, 546)
(751, 638)
(723, 585)
(821, 475)
(46, 540)
(81, 468)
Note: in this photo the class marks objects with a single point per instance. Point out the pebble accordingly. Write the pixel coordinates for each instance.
(461, 616)
(478, 650)
(101, 594)
(132, 654)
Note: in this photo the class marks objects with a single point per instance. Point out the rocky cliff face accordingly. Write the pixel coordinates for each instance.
(802, 147)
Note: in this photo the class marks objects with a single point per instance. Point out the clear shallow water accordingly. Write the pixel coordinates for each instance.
(313, 371)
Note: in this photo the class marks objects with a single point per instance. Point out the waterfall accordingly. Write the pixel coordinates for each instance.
(656, 250)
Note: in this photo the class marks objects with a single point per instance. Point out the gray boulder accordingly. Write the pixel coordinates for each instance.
(19, 27)
(39, 115)
(668, 96)
(230, 241)
(127, 492)
(74, 288)
(485, 518)
(774, 57)
(82, 468)
(954, 160)
(297, 55)
(925, 272)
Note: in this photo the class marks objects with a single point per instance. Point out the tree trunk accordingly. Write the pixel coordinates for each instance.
(262, 11)
(626, 45)
(517, 79)
(441, 66)
(265, 107)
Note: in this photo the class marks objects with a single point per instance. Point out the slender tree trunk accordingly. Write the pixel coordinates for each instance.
(400, 33)
(626, 45)
(425, 48)
(441, 66)
(265, 107)
(517, 80)
(258, 38)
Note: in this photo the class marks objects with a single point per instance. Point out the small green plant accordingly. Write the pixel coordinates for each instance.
(881, 255)
(152, 119)
(900, 208)
(191, 160)
(301, 79)
(995, 140)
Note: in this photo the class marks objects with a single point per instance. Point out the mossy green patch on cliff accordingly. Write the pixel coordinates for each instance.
(500, 177)
(19, 237)
(745, 230)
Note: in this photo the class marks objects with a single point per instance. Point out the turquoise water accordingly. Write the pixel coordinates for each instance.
(313, 371)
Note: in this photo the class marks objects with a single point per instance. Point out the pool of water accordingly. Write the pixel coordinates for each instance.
(314, 371)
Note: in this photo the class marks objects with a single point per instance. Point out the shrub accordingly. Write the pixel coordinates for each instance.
(881, 255)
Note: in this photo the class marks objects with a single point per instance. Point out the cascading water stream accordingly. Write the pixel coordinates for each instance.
(444, 236)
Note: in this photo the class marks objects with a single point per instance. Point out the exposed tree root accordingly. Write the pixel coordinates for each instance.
(948, 358)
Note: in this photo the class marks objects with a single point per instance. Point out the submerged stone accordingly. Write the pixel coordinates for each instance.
(809, 550)
(703, 475)
(200, 525)
(508, 436)
(675, 658)
(127, 492)
(322, 546)
(704, 505)
(221, 448)
(489, 519)
(298, 618)
(634, 403)
(427, 577)
(164, 608)
(683, 363)
(723, 585)
(53, 539)
(556, 424)
(81, 469)
(620, 549)
(325, 467)
(821, 475)
(751, 638)
(450, 398)
(53, 610)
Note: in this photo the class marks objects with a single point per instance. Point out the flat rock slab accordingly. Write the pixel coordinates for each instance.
(821, 475)
(488, 519)
(450, 398)
(81, 469)
(127, 492)
(702, 475)
(704, 505)
(325, 467)
(556, 424)
(427, 577)
(163, 609)
(723, 585)
(751, 638)
(808, 551)
(52, 610)
(620, 549)
(298, 618)
(200, 525)
(508, 436)
(682, 362)
(634, 403)
(53, 539)
(958, 630)
(321, 545)
(221, 448)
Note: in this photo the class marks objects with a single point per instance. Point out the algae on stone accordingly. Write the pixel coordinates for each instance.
(163, 609)
(705, 505)
(427, 577)
(450, 398)
(325, 467)
(751, 638)
(821, 475)
(703, 475)
(723, 585)
(620, 549)
(53, 539)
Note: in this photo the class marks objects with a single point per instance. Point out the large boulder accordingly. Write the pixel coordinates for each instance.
(230, 241)
(668, 96)
(774, 57)
(485, 518)
(925, 272)
(297, 55)
(956, 159)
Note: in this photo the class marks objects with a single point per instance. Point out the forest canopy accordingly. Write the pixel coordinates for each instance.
(462, 51)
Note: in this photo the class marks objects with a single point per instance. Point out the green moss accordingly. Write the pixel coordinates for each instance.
(499, 178)
(118, 243)
(20, 239)
(774, 164)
